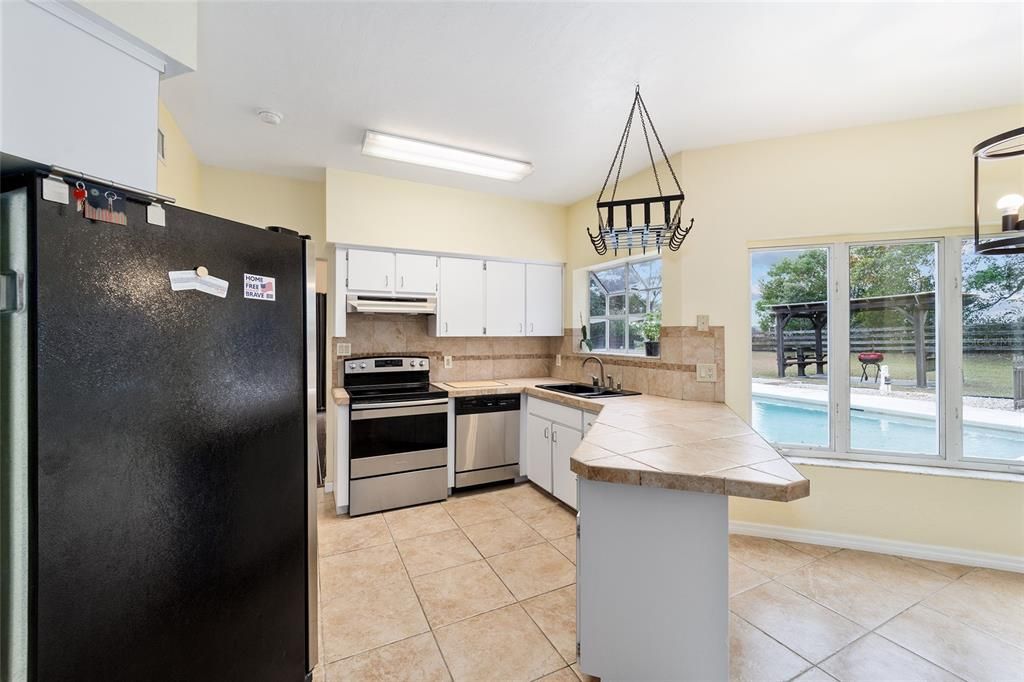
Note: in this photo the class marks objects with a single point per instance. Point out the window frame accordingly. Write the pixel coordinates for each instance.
(625, 317)
(949, 359)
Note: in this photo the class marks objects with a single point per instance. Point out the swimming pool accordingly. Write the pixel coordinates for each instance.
(796, 423)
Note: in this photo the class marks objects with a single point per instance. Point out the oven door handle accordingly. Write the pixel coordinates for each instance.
(398, 409)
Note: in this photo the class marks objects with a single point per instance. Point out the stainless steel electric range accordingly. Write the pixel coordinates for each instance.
(398, 434)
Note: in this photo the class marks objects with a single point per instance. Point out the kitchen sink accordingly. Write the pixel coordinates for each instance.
(586, 390)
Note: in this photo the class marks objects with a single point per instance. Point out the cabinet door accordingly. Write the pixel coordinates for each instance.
(564, 442)
(460, 298)
(538, 451)
(415, 273)
(506, 299)
(543, 300)
(371, 271)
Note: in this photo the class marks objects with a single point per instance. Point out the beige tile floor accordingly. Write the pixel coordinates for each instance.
(482, 587)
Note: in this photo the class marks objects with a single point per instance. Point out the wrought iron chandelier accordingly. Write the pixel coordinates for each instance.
(1002, 146)
(643, 235)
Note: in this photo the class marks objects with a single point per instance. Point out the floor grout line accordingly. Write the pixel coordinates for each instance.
(495, 495)
(423, 611)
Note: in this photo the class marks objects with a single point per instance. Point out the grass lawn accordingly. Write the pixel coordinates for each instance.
(985, 374)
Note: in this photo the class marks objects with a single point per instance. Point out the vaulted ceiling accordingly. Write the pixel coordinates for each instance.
(551, 83)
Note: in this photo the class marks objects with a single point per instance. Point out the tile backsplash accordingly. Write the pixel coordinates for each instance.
(674, 374)
(472, 357)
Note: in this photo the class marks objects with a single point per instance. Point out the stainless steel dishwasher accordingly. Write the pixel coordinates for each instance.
(486, 439)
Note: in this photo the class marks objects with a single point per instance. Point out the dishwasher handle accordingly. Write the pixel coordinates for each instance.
(484, 404)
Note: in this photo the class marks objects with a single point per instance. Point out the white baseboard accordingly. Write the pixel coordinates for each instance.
(953, 555)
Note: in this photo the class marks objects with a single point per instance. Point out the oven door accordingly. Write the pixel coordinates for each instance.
(391, 438)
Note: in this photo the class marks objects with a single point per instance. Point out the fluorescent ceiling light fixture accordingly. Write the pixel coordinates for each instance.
(422, 153)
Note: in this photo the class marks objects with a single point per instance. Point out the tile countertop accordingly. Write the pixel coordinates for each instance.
(664, 443)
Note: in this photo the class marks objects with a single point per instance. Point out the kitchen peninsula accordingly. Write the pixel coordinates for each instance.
(654, 476)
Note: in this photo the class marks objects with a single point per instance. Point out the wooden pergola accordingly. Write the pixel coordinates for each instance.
(915, 308)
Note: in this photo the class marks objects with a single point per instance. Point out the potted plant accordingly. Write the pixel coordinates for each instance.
(651, 329)
(585, 341)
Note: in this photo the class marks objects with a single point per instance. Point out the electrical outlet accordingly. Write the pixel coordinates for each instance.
(344, 349)
(558, 360)
(447, 362)
(703, 323)
(707, 373)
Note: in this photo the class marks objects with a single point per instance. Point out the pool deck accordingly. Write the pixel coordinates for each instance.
(1004, 420)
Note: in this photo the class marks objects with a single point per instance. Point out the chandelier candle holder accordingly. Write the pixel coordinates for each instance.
(1011, 240)
(645, 234)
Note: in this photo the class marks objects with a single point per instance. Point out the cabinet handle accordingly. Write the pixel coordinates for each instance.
(446, 327)
(545, 433)
(520, 327)
(401, 281)
(386, 285)
(554, 436)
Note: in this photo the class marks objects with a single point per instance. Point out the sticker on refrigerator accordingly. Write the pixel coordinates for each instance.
(258, 287)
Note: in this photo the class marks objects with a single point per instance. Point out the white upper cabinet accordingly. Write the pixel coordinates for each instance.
(460, 298)
(506, 299)
(543, 300)
(371, 271)
(415, 273)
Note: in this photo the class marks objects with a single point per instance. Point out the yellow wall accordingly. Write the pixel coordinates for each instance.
(250, 198)
(263, 200)
(177, 174)
(973, 515)
(375, 211)
(908, 177)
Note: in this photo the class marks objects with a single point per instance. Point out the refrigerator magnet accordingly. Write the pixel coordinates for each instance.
(102, 203)
(198, 280)
(258, 287)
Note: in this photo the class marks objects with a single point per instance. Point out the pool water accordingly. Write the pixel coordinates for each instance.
(802, 424)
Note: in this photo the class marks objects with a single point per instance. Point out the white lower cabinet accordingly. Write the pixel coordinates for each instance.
(550, 442)
(538, 451)
(564, 442)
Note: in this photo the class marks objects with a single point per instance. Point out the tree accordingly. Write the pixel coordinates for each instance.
(803, 279)
(994, 284)
(995, 287)
(874, 271)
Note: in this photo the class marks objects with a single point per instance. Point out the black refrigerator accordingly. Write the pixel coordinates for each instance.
(159, 445)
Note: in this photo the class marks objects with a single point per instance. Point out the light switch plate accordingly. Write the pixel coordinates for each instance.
(703, 323)
(558, 360)
(447, 362)
(707, 373)
(344, 349)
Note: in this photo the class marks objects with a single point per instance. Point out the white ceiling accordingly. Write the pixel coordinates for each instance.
(551, 83)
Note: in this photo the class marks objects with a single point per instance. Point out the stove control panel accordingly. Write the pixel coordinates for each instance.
(390, 364)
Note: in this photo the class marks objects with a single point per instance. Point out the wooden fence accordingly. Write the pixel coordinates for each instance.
(979, 338)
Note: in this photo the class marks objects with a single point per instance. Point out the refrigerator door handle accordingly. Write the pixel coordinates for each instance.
(313, 459)
(12, 292)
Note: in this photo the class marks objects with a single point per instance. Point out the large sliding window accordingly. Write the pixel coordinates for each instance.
(915, 348)
(992, 356)
(893, 348)
(621, 296)
(789, 386)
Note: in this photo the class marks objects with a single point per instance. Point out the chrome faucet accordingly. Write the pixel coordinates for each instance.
(597, 381)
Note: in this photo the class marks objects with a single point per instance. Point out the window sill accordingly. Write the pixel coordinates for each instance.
(921, 469)
(619, 354)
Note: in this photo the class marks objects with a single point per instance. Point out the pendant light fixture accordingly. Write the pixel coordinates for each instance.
(1011, 240)
(642, 229)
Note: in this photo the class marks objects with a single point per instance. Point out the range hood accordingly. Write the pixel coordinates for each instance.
(409, 305)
